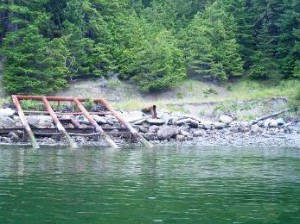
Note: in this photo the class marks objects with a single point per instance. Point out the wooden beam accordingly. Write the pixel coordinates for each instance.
(94, 123)
(59, 126)
(25, 122)
(125, 123)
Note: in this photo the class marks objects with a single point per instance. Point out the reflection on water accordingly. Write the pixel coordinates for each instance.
(162, 185)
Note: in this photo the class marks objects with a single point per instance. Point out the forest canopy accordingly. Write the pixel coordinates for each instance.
(154, 43)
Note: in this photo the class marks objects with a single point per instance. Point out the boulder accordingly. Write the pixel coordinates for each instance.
(45, 122)
(280, 121)
(166, 132)
(225, 119)
(6, 122)
(143, 129)
(99, 119)
(149, 136)
(184, 133)
(273, 123)
(188, 121)
(139, 122)
(33, 120)
(219, 125)
(255, 129)
(82, 119)
(7, 112)
(14, 136)
(198, 133)
(180, 138)
(206, 126)
(153, 129)
(155, 121)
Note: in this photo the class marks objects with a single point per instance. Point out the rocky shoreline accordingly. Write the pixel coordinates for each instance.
(167, 128)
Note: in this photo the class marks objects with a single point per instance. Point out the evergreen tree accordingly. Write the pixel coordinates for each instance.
(210, 45)
(34, 64)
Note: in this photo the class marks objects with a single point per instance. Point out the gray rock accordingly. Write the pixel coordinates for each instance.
(153, 129)
(14, 136)
(273, 123)
(7, 112)
(5, 139)
(255, 129)
(45, 122)
(139, 122)
(6, 122)
(206, 126)
(184, 133)
(194, 124)
(225, 119)
(143, 129)
(99, 119)
(198, 133)
(115, 133)
(188, 121)
(219, 125)
(149, 136)
(180, 138)
(166, 132)
(280, 121)
(155, 121)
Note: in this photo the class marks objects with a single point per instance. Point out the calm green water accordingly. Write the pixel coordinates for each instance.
(164, 185)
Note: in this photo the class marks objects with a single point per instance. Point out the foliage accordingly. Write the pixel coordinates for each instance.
(154, 43)
(210, 44)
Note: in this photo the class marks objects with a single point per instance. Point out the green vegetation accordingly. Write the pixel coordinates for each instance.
(156, 44)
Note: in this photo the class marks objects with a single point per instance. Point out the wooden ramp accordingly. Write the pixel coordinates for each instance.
(77, 103)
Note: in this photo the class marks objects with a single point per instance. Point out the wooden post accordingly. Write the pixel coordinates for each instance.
(59, 126)
(94, 123)
(127, 125)
(25, 122)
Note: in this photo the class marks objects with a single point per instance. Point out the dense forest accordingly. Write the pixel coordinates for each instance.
(154, 43)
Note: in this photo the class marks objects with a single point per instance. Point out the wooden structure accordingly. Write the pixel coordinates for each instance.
(77, 102)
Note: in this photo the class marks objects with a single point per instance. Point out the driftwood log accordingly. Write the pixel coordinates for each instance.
(270, 115)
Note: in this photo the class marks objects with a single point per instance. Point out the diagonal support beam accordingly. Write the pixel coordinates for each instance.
(126, 124)
(94, 123)
(25, 122)
(58, 124)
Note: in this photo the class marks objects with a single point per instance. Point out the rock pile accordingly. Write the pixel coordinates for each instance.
(169, 127)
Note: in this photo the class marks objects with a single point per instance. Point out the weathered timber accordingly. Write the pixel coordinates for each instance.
(65, 113)
(95, 124)
(124, 122)
(59, 126)
(25, 122)
(269, 116)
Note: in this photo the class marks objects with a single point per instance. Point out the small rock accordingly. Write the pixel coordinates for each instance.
(273, 123)
(255, 129)
(143, 129)
(13, 136)
(180, 138)
(184, 133)
(166, 132)
(225, 119)
(153, 129)
(6, 122)
(99, 119)
(199, 133)
(139, 122)
(149, 136)
(280, 121)
(7, 112)
(5, 139)
(155, 121)
(219, 125)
